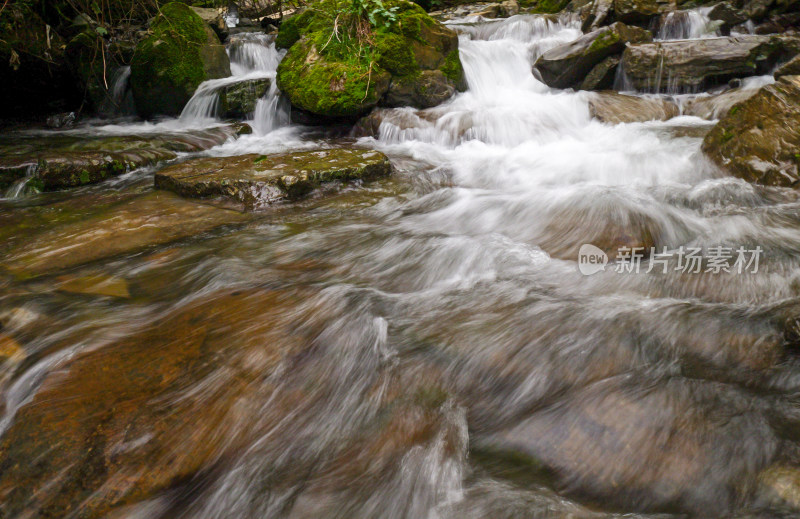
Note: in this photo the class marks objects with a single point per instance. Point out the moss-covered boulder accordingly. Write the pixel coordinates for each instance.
(759, 139)
(180, 53)
(259, 180)
(567, 66)
(408, 59)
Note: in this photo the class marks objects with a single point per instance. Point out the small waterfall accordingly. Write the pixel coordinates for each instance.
(272, 112)
(252, 52)
(20, 186)
(120, 97)
(253, 56)
(686, 25)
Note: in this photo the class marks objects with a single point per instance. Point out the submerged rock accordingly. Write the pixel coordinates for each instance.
(121, 423)
(759, 139)
(87, 234)
(614, 108)
(567, 66)
(416, 61)
(258, 180)
(180, 53)
(683, 65)
(682, 445)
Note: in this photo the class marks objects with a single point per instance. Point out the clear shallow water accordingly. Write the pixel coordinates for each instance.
(425, 345)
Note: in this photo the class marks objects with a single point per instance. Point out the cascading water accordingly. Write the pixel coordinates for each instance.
(253, 56)
(686, 25)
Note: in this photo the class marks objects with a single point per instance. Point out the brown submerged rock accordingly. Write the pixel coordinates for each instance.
(567, 65)
(759, 139)
(614, 108)
(121, 423)
(258, 180)
(121, 228)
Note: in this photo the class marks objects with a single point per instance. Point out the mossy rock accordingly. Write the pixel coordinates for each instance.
(180, 53)
(259, 180)
(329, 88)
(342, 76)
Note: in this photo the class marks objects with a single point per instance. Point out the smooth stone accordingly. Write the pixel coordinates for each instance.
(259, 180)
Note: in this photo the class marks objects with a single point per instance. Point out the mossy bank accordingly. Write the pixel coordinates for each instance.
(180, 53)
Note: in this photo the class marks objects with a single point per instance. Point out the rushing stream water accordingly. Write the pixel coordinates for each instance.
(425, 346)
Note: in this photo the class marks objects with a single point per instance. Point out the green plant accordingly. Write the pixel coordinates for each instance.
(378, 15)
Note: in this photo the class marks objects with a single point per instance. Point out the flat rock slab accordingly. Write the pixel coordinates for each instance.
(59, 161)
(126, 227)
(259, 180)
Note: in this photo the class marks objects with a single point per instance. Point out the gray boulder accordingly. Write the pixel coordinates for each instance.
(690, 65)
(566, 66)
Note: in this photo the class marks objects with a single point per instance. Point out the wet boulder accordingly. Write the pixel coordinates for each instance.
(239, 100)
(180, 53)
(641, 12)
(429, 88)
(759, 139)
(595, 14)
(602, 76)
(259, 180)
(614, 108)
(728, 15)
(566, 66)
(683, 65)
(717, 106)
(415, 61)
(790, 68)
